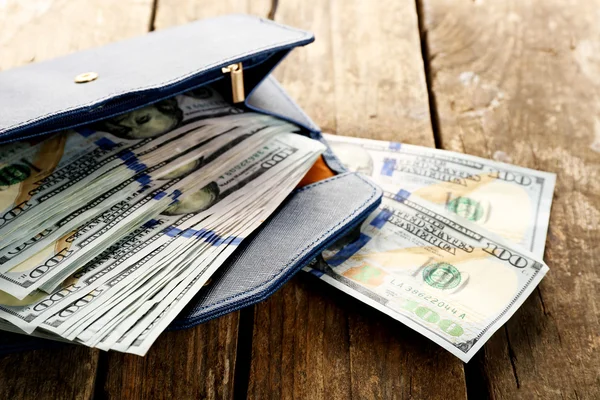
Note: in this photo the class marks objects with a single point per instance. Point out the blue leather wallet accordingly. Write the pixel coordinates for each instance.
(42, 98)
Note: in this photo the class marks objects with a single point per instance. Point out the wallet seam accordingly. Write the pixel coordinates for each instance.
(303, 35)
(354, 212)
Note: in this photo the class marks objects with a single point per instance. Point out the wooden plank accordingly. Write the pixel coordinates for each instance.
(33, 31)
(312, 341)
(177, 12)
(199, 362)
(37, 30)
(518, 81)
(363, 76)
(60, 373)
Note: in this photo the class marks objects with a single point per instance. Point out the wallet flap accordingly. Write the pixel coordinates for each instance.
(270, 98)
(311, 220)
(43, 97)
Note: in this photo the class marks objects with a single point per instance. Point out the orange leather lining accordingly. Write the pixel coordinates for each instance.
(318, 172)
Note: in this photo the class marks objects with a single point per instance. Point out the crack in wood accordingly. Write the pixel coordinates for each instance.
(512, 356)
(98, 391)
(152, 20)
(273, 10)
(243, 358)
(539, 292)
(477, 383)
(429, 75)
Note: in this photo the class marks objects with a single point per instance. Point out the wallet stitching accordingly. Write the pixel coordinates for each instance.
(356, 210)
(304, 35)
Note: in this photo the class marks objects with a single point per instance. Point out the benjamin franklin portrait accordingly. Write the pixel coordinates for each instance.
(145, 122)
(195, 202)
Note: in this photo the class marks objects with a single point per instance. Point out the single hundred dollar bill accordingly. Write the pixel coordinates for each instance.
(511, 201)
(441, 275)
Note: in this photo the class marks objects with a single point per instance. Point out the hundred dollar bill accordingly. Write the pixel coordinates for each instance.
(24, 165)
(511, 201)
(448, 279)
(42, 181)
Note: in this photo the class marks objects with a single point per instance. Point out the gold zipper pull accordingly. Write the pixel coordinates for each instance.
(237, 81)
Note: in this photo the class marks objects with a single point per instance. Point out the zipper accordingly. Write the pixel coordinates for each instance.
(274, 286)
(236, 72)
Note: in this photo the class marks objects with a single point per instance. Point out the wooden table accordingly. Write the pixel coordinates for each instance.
(513, 80)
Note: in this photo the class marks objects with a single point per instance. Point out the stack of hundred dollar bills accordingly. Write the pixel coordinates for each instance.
(108, 231)
(455, 247)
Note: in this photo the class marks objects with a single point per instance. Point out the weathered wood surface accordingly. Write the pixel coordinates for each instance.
(60, 373)
(197, 363)
(37, 30)
(519, 81)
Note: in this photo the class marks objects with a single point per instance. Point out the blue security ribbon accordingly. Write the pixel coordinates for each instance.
(316, 273)
(235, 240)
(389, 164)
(172, 231)
(381, 219)
(105, 143)
(176, 193)
(394, 146)
(402, 195)
(144, 179)
(131, 161)
(85, 132)
(349, 250)
(159, 195)
(188, 233)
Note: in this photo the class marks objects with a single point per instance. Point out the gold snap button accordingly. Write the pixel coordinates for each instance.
(86, 77)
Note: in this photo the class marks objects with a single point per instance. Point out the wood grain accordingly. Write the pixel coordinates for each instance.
(61, 373)
(364, 74)
(32, 31)
(177, 12)
(519, 81)
(36, 30)
(309, 340)
(197, 363)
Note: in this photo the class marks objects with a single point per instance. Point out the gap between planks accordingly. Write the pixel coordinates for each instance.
(425, 53)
